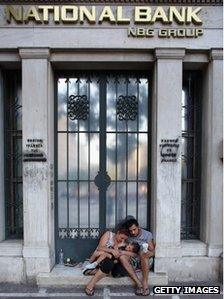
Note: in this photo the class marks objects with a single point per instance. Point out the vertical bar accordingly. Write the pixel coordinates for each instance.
(149, 106)
(78, 164)
(89, 152)
(67, 140)
(116, 90)
(126, 141)
(137, 148)
(102, 191)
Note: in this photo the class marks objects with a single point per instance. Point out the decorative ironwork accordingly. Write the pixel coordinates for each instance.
(78, 233)
(78, 107)
(190, 202)
(102, 180)
(98, 183)
(127, 107)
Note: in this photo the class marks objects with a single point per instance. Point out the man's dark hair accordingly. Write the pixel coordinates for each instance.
(131, 222)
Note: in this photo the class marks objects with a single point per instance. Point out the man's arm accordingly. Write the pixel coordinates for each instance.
(151, 247)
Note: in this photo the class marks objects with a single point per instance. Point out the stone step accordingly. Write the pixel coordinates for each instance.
(72, 276)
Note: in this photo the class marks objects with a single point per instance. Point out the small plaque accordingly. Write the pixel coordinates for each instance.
(169, 150)
(33, 152)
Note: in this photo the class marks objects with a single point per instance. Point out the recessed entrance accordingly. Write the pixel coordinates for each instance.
(102, 172)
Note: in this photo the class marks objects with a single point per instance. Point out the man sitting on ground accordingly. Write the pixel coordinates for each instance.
(145, 239)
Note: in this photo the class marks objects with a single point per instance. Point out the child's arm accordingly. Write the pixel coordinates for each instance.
(128, 253)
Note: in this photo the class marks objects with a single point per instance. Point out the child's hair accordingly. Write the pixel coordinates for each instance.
(136, 247)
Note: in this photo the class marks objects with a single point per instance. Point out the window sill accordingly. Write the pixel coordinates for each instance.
(193, 248)
(11, 248)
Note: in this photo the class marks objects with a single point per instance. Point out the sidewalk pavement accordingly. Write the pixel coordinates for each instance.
(10, 290)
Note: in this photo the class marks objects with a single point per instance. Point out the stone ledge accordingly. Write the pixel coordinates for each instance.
(65, 276)
(11, 248)
(12, 269)
(193, 248)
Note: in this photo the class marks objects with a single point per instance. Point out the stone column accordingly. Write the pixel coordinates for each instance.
(167, 190)
(37, 98)
(212, 180)
(2, 194)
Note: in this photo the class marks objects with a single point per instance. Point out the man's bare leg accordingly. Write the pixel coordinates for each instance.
(145, 270)
(125, 261)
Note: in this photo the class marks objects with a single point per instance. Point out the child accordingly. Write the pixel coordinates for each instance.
(99, 255)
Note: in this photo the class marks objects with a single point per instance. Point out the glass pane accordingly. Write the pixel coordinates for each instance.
(62, 104)
(132, 199)
(121, 201)
(111, 104)
(73, 205)
(73, 91)
(62, 204)
(111, 155)
(17, 153)
(94, 155)
(62, 156)
(143, 105)
(132, 91)
(142, 204)
(142, 156)
(84, 211)
(132, 156)
(18, 112)
(83, 156)
(187, 158)
(110, 206)
(122, 91)
(94, 105)
(83, 91)
(73, 156)
(121, 156)
(94, 206)
(18, 201)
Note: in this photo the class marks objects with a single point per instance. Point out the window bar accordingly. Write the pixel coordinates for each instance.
(126, 122)
(67, 141)
(137, 166)
(195, 197)
(88, 81)
(11, 126)
(116, 90)
(78, 164)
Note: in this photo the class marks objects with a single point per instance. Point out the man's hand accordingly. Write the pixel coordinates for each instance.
(147, 254)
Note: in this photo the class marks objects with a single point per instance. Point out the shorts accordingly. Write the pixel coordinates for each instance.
(136, 263)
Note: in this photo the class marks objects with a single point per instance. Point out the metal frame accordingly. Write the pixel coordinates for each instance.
(103, 157)
(190, 229)
(13, 156)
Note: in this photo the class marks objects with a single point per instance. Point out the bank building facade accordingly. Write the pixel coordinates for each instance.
(108, 109)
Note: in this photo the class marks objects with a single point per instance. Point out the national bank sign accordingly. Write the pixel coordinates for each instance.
(116, 15)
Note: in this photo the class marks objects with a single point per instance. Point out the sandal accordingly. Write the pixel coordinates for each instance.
(138, 291)
(146, 292)
(89, 272)
(89, 292)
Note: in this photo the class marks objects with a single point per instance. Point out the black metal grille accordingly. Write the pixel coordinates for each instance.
(102, 149)
(13, 154)
(191, 155)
